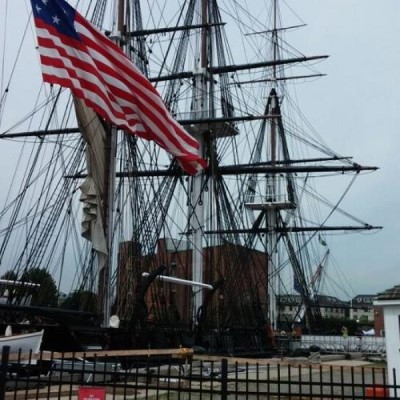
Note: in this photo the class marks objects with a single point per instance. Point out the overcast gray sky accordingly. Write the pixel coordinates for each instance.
(355, 109)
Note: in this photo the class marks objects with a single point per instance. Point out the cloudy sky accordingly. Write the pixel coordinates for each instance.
(355, 109)
(357, 112)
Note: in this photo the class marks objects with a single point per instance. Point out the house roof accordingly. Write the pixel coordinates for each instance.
(389, 294)
(323, 300)
(361, 300)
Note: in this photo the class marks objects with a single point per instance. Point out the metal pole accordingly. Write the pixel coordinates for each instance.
(5, 355)
(224, 379)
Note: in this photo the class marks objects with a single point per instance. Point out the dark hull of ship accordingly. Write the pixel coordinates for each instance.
(69, 331)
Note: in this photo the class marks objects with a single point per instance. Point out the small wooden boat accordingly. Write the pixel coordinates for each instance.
(24, 342)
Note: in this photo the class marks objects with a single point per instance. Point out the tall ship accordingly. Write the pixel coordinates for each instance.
(157, 257)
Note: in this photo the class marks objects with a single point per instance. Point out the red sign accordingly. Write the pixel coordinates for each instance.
(91, 393)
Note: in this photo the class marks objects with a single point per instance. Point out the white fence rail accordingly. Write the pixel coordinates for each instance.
(341, 344)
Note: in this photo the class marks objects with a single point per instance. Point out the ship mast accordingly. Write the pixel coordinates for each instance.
(111, 148)
(196, 200)
(272, 189)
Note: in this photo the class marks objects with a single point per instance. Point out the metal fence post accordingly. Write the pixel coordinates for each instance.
(5, 355)
(224, 379)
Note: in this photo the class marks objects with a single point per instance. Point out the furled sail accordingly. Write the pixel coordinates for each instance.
(93, 188)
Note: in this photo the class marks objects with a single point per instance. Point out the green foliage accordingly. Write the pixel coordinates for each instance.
(363, 319)
(10, 276)
(81, 300)
(334, 326)
(48, 293)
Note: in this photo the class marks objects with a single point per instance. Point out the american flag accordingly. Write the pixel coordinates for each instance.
(76, 55)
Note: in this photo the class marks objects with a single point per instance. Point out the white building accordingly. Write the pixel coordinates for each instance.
(330, 307)
(389, 300)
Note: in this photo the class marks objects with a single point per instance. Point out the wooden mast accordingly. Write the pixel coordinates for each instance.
(110, 176)
(197, 214)
(272, 182)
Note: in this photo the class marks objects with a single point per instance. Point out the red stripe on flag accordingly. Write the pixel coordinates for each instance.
(97, 71)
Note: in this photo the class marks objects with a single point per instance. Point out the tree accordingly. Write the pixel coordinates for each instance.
(9, 276)
(47, 294)
(81, 300)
